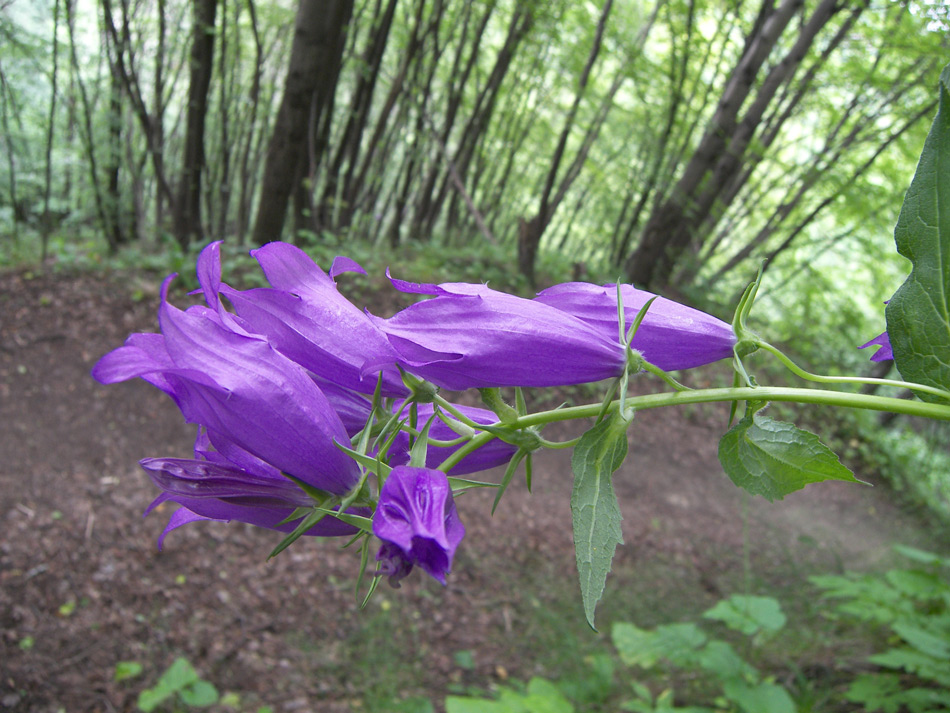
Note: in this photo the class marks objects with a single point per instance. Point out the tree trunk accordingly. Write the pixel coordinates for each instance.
(315, 57)
(188, 200)
(669, 228)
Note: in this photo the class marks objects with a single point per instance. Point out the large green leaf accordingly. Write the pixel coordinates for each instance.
(772, 458)
(594, 508)
(918, 315)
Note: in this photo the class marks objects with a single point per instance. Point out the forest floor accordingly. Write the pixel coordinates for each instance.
(83, 586)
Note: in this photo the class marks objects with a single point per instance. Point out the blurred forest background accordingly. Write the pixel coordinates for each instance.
(676, 142)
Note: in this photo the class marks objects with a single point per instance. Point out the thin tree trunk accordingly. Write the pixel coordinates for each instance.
(668, 230)
(188, 226)
(46, 221)
(244, 198)
(315, 57)
(6, 100)
(349, 145)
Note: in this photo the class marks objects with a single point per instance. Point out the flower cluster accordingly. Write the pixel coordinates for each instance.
(283, 381)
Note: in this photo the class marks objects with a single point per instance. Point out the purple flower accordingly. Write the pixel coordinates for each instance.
(885, 352)
(493, 454)
(672, 336)
(214, 488)
(417, 521)
(307, 320)
(471, 336)
(243, 391)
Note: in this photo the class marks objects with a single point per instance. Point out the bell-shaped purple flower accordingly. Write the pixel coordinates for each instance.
(491, 455)
(470, 336)
(418, 523)
(307, 320)
(242, 390)
(672, 336)
(885, 352)
(223, 491)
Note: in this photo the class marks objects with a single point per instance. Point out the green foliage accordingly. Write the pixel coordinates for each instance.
(749, 615)
(541, 696)
(179, 685)
(772, 458)
(594, 508)
(918, 315)
(685, 646)
(912, 608)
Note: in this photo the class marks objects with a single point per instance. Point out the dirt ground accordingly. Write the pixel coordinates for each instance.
(83, 586)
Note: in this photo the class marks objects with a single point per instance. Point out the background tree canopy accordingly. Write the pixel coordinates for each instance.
(676, 142)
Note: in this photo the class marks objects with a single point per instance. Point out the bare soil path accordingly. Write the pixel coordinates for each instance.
(82, 585)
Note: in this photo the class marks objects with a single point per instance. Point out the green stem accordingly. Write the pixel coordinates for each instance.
(698, 396)
(819, 378)
(744, 393)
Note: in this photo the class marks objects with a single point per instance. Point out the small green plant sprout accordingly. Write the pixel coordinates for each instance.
(911, 607)
(180, 686)
(686, 646)
(124, 670)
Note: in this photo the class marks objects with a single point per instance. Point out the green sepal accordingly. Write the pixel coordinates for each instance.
(295, 515)
(419, 450)
(363, 523)
(491, 397)
(461, 485)
(462, 429)
(312, 519)
(320, 496)
(506, 479)
(370, 463)
(528, 471)
(595, 512)
(372, 589)
(638, 320)
(521, 406)
(773, 458)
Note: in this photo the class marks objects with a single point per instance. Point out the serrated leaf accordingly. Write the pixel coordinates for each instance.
(918, 315)
(772, 458)
(594, 509)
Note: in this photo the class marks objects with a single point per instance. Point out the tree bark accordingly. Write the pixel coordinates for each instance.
(315, 58)
(188, 200)
(669, 228)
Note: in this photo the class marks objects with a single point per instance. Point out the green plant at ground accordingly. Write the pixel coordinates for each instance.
(911, 607)
(180, 686)
(737, 685)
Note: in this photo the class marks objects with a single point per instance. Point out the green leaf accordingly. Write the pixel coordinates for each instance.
(720, 659)
(199, 694)
(930, 643)
(758, 698)
(748, 614)
(772, 458)
(918, 315)
(126, 669)
(180, 674)
(677, 643)
(919, 555)
(878, 691)
(594, 508)
(544, 697)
